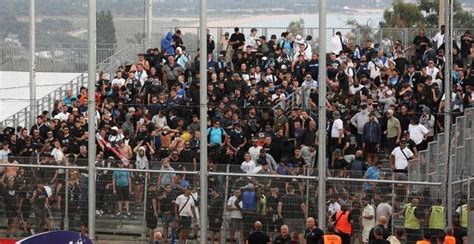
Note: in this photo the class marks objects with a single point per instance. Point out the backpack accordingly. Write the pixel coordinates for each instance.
(248, 201)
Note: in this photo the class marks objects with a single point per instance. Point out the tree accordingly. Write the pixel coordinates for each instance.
(423, 14)
(296, 27)
(403, 15)
(461, 18)
(361, 32)
(105, 30)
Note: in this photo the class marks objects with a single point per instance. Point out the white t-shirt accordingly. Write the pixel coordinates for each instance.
(62, 116)
(439, 39)
(59, 158)
(337, 125)
(234, 213)
(417, 133)
(401, 161)
(354, 90)
(254, 152)
(3, 155)
(58, 155)
(119, 82)
(336, 45)
(368, 224)
(333, 208)
(248, 167)
(383, 209)
(433, 72)
(393, 240)
(185, 205)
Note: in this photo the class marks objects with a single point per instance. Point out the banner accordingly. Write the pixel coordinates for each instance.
(60, 236)
(7, 241)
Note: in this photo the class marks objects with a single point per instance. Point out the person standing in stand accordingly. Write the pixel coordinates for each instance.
(284, 237)
(185, 210)
(313, 234)
(331, 236)
(40, 202)
(292, 210)
(121, 185)
(258, 236)
(342, 221)
(216, 203)
(12, 209)
(412, 216)
(166, 210)
(368, 215)
(233, 212)
(151, 211)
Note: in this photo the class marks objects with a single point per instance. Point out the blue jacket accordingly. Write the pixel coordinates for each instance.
(166, 44)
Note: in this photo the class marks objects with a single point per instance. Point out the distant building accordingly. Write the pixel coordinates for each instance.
(12, 40)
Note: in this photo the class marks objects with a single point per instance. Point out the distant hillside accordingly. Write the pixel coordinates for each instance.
(179, 7)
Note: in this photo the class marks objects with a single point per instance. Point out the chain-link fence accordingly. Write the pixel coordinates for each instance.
(132, 200)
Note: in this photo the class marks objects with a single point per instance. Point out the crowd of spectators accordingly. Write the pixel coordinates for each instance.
(384, 106)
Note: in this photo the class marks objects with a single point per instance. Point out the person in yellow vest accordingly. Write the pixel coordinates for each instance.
(462, 212)
(412, 217)
(330, 237)
(426, 239)
(342, 221)
(437, 219)
(449, 237)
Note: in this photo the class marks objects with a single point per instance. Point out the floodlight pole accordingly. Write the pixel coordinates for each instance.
(447, 107)
(91, 115)
(203, 119)
(33, 103)
(322, 117)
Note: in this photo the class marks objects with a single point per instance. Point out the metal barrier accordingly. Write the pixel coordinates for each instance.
(146, 202)
(51, 59)
(356, 36)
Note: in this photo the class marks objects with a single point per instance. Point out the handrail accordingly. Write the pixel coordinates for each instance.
(47, 102)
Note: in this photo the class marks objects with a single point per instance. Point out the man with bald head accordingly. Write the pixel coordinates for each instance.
(284, 237)
(313, 234)
(258, 236)
(381, 223)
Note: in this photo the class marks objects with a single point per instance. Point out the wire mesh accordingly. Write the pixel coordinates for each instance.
(61, 47)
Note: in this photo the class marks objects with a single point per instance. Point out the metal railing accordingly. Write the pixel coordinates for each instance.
(66, 204)
(108, 65)
(357, 36)
(50, 59)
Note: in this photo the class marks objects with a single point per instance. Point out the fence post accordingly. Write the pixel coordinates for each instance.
(145, 192)
(392, 219)
(224, 219)
(27, 117)
(307, 194)
(66, 198)
(15, 121)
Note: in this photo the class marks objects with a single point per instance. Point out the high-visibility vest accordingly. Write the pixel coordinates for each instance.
(437, 218)
(332, 239)
(343, 223)
(464, 216)
(423, 242)
(449, 240)
(411, 221)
